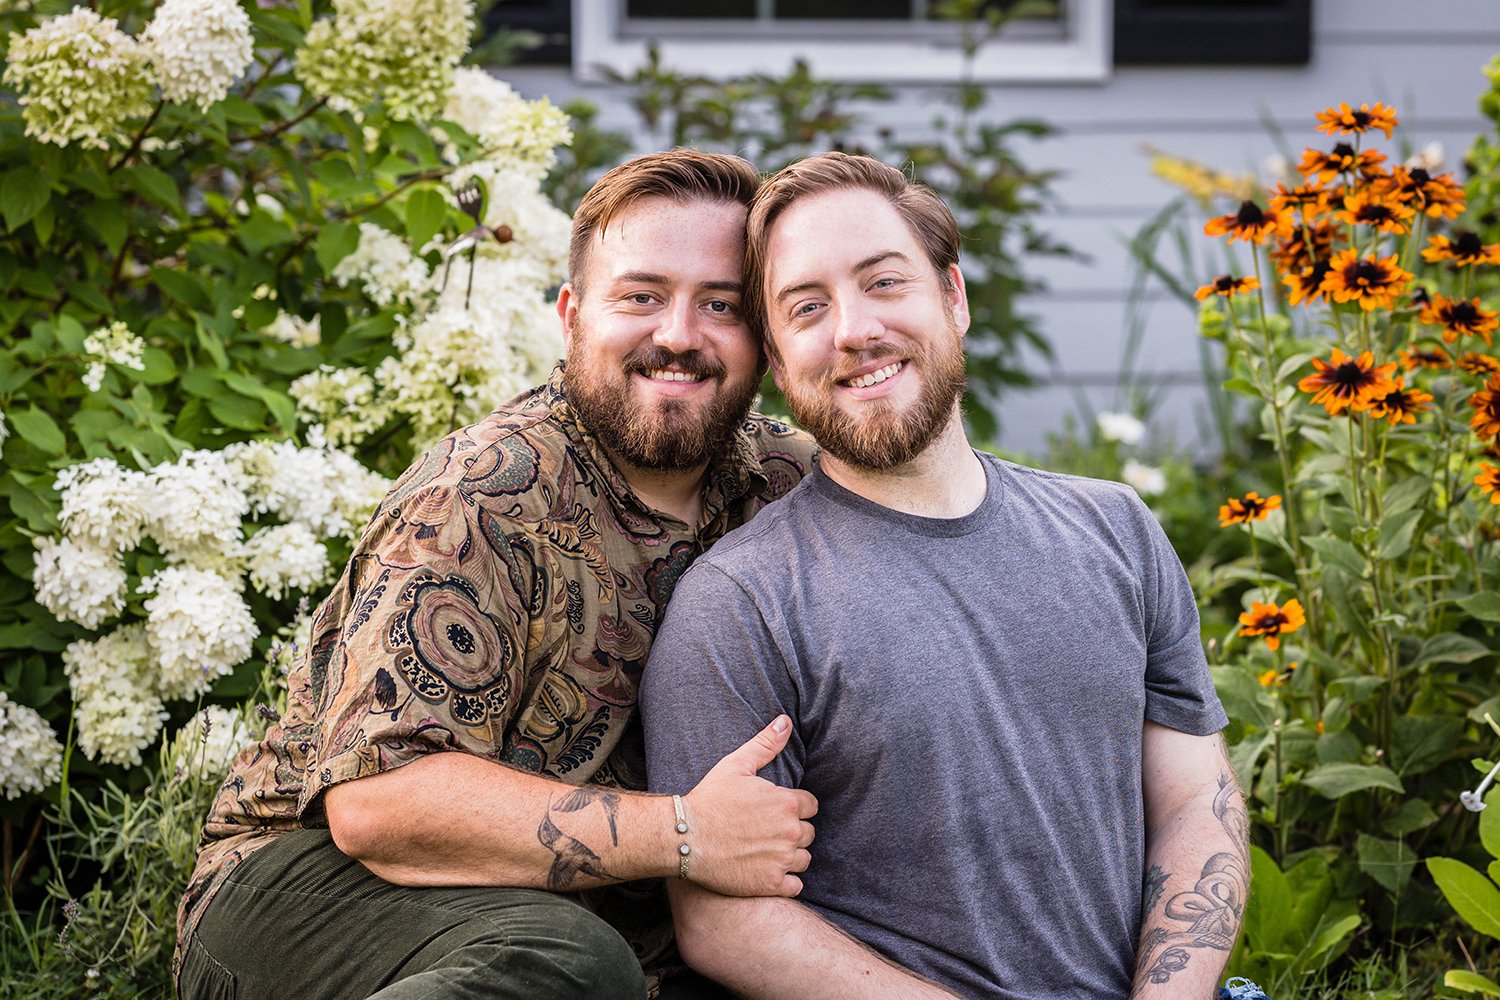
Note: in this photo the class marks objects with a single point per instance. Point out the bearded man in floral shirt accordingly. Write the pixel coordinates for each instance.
(452, 804)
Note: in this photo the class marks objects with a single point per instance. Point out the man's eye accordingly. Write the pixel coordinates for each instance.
(806, 309)
(641, 299)
(722, 308)
(884, 283)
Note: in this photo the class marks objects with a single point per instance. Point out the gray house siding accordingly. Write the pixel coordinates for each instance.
(1422, 57)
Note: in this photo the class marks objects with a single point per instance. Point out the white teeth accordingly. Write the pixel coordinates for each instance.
(661, 375)
(876, 377)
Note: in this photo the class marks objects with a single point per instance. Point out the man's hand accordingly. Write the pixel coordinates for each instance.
(456, 819)
(750, 836)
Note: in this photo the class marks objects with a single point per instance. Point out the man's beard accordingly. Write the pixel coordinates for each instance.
(673, 435)
(883, 439)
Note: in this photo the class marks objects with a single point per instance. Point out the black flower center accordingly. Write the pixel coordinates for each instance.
(1350, 376)
(1343, 152)
(1419, 176)
(1361, 118)
(1463, 314)
(1249, 214)
(1366, 274)
(461, 638)
(1468, 245)
(1375, 213)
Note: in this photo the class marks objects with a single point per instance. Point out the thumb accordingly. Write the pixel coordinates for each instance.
(761, 748)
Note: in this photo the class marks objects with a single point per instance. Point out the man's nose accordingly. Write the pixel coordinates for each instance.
(679, 330)
(856, 328)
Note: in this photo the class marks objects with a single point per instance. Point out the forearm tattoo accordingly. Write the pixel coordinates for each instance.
(1208, 915)
(572, 857)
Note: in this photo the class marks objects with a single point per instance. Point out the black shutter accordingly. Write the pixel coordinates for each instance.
(1179, 32)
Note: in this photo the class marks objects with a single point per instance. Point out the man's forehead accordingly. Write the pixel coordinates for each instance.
(647, 216)
(838, 230)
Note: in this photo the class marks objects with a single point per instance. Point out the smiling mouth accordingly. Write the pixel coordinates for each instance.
(875, 377)
(663, 375)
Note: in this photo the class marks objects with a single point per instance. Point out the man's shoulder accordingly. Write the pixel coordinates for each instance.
(512, 453)
(1067, 487)
(760, 549)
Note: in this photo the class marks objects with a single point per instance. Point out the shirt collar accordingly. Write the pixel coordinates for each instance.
(732, 475)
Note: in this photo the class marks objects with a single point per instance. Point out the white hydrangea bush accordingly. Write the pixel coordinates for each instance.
(259, 514)
(30, 754)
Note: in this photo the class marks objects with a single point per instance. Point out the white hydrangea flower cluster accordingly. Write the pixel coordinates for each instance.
(384, 266)
(77, 581)
(112, 345)
(295, 330)
(199, 628)
(322, 488)
(400, 52)
(79, 78)
(196, 506)
(117, 704)
(103, 503)
(30, 754)
(343, 401)
(286, 557)
(198, 49)
(206, 746)
(513, 133)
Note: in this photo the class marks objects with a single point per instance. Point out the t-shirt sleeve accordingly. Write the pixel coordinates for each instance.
(715, 678)
(1179, 691)
(431, 653)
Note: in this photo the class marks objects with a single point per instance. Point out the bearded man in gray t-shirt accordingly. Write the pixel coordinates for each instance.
(994, 675)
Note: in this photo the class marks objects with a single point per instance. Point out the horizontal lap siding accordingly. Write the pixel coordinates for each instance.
(1424, 58)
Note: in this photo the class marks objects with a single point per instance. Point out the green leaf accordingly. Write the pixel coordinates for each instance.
(1356, 689)
(1474, 897)
(1449, 647)
(1269, 910)
(159, 369)
(70, 334)
(1337, 552)
(1243, 387)
(260, 232)
(1470, 982)
(280, 405)
(238, 411)
(209, 341)
(1413, 815)
(43, 223)
(1389, 862)
(1489, 823)
(1332, 930)
(1484, 606)
(1243, 696)
(23, 192)
(108, 223)
(1422, 742)
(1396, 532)
(182, 286)
(39, 429)
(1337, 780)
(153, 185)
(409, 138)
(1406, 494)
(425, 213)
(336, 241)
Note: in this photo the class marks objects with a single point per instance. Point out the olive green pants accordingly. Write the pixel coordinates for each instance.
(300, 919)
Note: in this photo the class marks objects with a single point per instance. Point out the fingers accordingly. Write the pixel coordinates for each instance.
(807, 803)
(808, 833)
(762, 748)
(791, 885)
(801, 859)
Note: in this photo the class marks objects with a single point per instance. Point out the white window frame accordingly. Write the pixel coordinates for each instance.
(603, 36)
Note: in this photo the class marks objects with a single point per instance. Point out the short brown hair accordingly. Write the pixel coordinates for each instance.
(929, 218)
(680, 174)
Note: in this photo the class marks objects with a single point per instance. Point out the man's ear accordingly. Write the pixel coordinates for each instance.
(958, 298)
(567, 312)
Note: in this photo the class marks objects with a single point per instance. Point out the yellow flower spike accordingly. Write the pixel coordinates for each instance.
(1272, 622)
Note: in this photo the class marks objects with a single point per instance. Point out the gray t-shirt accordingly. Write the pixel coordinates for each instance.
(968, 697)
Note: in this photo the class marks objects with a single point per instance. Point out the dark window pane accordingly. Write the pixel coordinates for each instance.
(843, 10)
(1000, 5)
(690, 8)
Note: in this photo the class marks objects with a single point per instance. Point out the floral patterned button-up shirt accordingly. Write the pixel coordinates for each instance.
(502, 602)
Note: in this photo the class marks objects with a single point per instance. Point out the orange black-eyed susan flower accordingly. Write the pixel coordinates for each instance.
(1401, 405)
(1476, 363)
(1310, 199)
(1365, 208)
(1344, 382)
(1486, 403)
(1319, 727)
(1276, 678)
(1251, 507)
(1341, 159)
(1437, 196)
(1272, 621)
(1228, 286)
(1343, 120)
(1460, 318)
(1426, 357)
(1306, 285)
(1305, 247)
(1373, 282)
(1251, 223)
(1465, 249)
(1488, 481)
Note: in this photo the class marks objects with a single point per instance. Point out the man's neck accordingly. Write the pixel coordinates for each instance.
(679, 494)
(945, 480)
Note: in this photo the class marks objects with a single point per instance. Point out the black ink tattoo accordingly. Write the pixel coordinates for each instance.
(1156, 880)
(571, 856)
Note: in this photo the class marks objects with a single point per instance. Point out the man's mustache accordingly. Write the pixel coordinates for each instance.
(657, 357)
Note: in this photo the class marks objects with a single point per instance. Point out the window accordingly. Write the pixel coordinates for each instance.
(880, 40)
(1213, 32)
